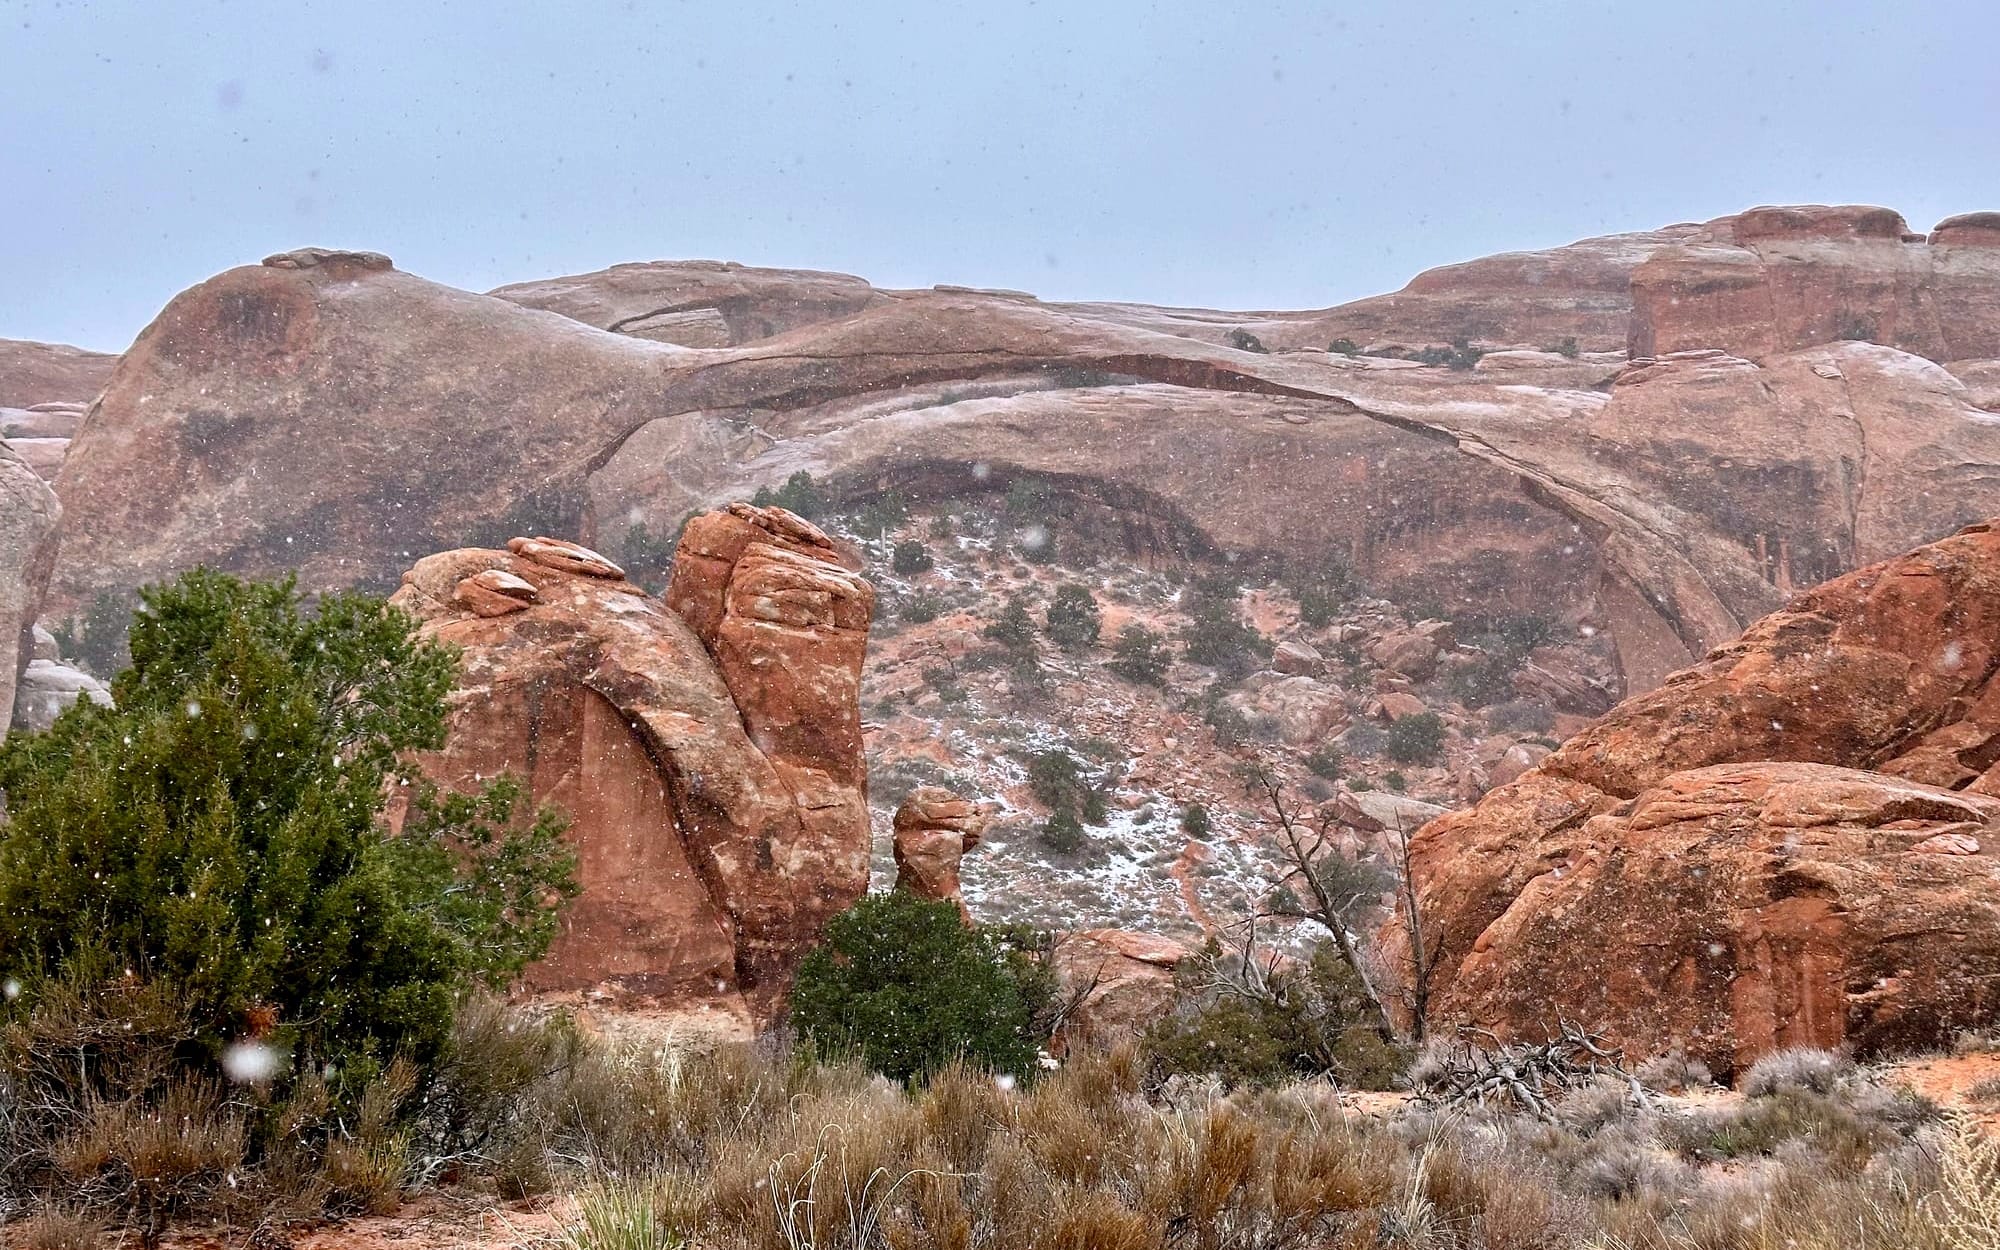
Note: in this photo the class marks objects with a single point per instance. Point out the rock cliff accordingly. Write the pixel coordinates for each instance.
(1789, 843)
(710, 761)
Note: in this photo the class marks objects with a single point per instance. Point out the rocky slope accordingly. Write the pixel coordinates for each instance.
(295, 414)
(701, 792)
(1790, 843)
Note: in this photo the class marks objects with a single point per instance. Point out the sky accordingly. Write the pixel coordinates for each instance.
(1234, 155)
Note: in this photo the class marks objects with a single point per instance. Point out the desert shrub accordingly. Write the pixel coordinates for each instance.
(880, 513)
(1984, 1092)
(1343, 347)
(1395, 781)
(1033, 500)
(1216, 636)
(1323, 591)
(61, 1228)
(1057, 781)
(1326, 761)
(1013, 629)
(220, 828)
(1798, 1067)
(910, 557)
(906, 986)
(1244, 341)
(1566, 347)
(1672, 1071)
(799, 494)
(1266, 1029)
(919, 608)
(648, 557)
(1139, 657)
(1063, 833)
(1414, 739)
(1232, 728)
(1460, 355)
(1195, 821)
(1073, 620)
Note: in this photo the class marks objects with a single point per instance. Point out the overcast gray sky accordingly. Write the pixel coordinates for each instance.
(1248, 155)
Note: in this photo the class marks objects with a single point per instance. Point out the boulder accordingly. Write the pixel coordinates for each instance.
(1304, 711)
(43, 455)
(47, 688)
(934, 828)
(32, 374)
(1411, 652)
(1515, 760)
(1396, 704)
(1786, 844)
(28, 519)
(716, 806)
(1120, 982)
(1297, 659)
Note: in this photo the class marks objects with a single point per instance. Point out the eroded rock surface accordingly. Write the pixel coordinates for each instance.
(934, 829)
(1789, 843)
(716, 834)
(28, 517)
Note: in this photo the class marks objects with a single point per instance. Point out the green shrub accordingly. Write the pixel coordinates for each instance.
(905, 985)
(220, 829)
(647, 557)
(1567, 347)
(1307, 1022)
(1244, 341)
(1195, 821)
(1014, 629)
(1415, 739)
(1344, 347)
(1073, 620)
(1063, 834)
(1460, 355)
(882, 513)
(1395, 781)
(1033, 500)
(1139, 657)
(800, 494)
(1326, 762)
(1232, 728)
(909, 558)
(1323, 591)
(1058, 783)
(1216, 635)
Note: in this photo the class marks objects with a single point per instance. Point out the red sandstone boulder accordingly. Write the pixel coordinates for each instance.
(934, 828)
(28, 517)
(1121, 982)
(1788, 844)
(41, 373)
(716, 834)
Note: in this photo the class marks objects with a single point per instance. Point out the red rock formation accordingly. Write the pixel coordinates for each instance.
(1121, 981)
(28, 517)
(934, 829)
(1773, 280)
(40, 373)
(719, 820)
(1788, 844)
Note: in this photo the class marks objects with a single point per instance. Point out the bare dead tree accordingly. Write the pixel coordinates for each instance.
(1323, 883)
(1422, 958)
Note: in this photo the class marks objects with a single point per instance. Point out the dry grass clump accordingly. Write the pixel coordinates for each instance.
(1801, 1067)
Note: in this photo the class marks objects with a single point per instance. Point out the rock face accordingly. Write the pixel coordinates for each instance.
(1773, 280)
(48, 687)
(41, 373)
(934, 829)
(715, 791)
(1790, 843)
(28, 517)
(1664, 505)
(1122, 982)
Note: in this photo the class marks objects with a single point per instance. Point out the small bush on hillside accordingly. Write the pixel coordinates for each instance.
(1063, 834)
(1058, 783)
(881, 513)
(1244, 341)
(1216, 635)
(907, 987)
(1327, 762)
(1232, 728)
(1139, 657)
(1415, 739)
(1323, 591)
(647, 557)
(1460, 355)
(1344, 347)
(1800, 1067)
(1307, 1021)
(1567, 347)
(1395, 781)
(1073, 620)
(919, 608)
(1014, 629)
(1195, 821)
(909, 558)
(800, 494)
(1033, 500)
